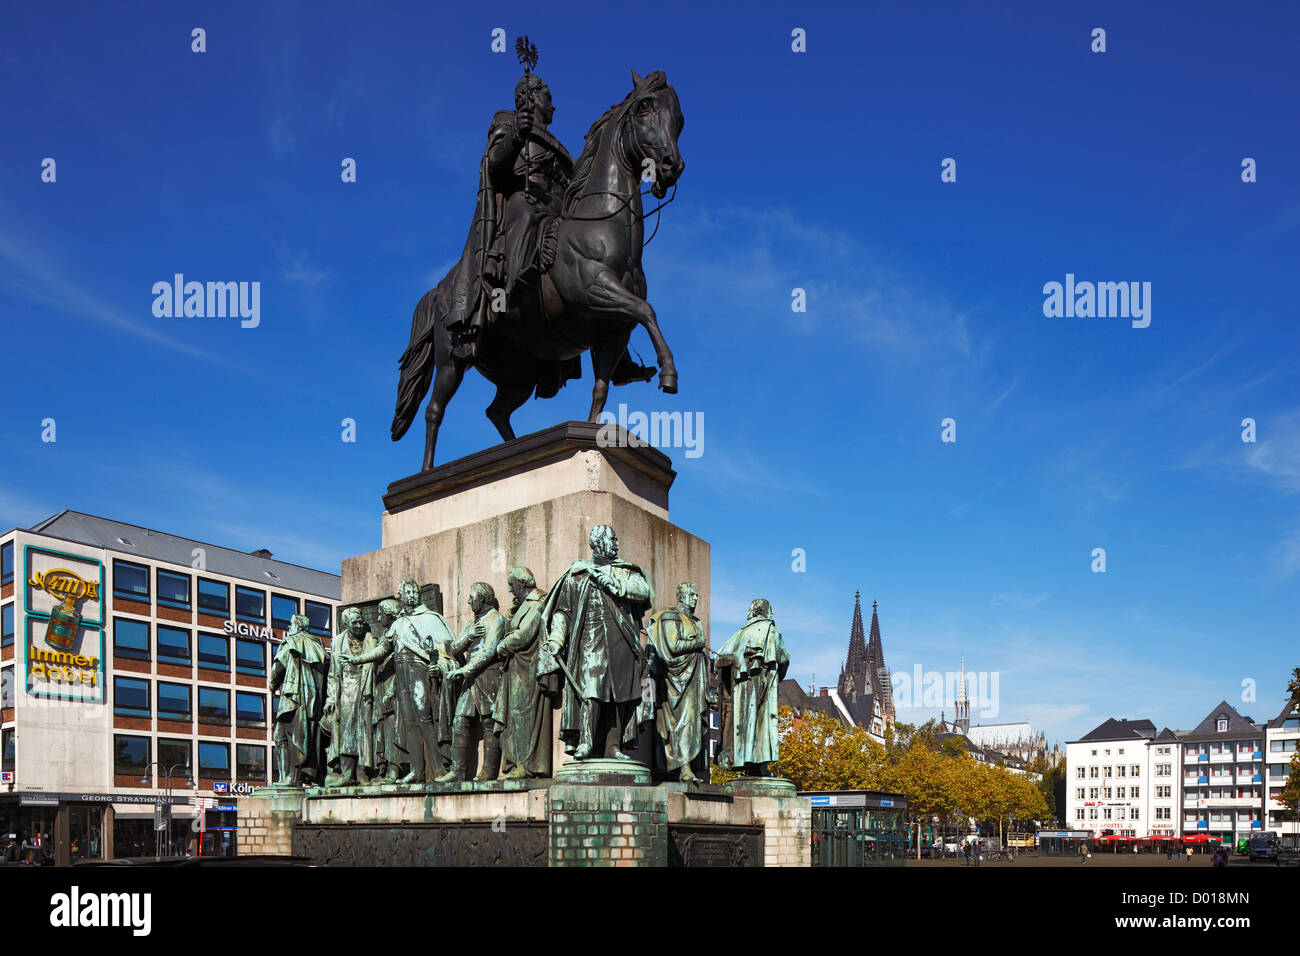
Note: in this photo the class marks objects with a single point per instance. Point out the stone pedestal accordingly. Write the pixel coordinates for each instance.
(531, 501)
(528, 823)
(266, 820)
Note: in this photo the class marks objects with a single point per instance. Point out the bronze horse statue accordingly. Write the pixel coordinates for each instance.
(591, 297)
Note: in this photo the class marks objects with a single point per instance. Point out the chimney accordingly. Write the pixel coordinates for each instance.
(261, 553)
(823, 691)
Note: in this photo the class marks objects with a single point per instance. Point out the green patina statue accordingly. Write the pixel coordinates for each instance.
(349, 705)
(409, 648)
(593, 619)
(523, 705)
(298, 676)
(750, 665)
(477, 680)
(678, 654)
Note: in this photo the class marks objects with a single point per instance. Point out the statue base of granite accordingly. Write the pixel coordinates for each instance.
(551, 822)
(604, 772)
(531, 501)
(761, 786)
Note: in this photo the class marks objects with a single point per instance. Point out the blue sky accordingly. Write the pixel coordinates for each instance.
(817, 170)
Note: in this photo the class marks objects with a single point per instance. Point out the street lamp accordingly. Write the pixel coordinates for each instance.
(145, 781)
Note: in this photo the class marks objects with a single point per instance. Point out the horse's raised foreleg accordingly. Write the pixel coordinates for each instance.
(609, 295)
(512, 391)
(446, 380)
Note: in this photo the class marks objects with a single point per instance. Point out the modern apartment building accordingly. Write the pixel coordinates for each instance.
(133, 670)
(1282, 736)
(1223, 775)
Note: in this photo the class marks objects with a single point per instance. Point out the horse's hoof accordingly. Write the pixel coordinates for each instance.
(668, 382)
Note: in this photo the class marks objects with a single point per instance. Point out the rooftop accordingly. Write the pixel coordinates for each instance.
(133, 539)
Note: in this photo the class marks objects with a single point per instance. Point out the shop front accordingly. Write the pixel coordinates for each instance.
(68, 828)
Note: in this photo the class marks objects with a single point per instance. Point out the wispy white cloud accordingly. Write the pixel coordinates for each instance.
(1017, 599)
(39, 278)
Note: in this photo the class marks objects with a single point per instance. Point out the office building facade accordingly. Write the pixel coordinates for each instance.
(134, 669)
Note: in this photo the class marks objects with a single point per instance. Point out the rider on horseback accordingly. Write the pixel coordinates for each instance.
(521, 185)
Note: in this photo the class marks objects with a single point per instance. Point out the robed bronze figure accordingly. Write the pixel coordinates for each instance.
(593, 616)
(298, 676)
(349, 705)
(523, 705)
(478, 679)
(678, 649)
(750, 665)
(552, 264)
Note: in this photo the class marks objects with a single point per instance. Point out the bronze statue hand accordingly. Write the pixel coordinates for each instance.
(524, 120)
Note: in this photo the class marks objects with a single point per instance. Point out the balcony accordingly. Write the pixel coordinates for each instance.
(1221, 758)
(1229, 802)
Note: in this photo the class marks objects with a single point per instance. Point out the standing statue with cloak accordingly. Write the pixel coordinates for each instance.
(750, 665)
(523, 704)
(678, 650)
(593, 616)
(298, 676)
(349, 704)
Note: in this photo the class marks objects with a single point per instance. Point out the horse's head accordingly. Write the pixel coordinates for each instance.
(654, 120)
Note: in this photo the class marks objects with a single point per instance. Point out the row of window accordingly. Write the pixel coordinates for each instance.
(1133, 770)
(131, 699)
(1133, 813)
(1225, 749)
(131, 581)
(1110, 793)
(175, 759)
(131, 640)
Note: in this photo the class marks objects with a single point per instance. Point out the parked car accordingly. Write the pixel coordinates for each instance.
(1263, 846)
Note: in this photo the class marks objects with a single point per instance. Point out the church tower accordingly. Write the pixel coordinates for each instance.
(864, 684)
(962, 723)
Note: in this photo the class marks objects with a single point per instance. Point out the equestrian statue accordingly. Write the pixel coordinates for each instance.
(552, 264)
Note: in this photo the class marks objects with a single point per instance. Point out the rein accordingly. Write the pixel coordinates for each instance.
(625, 202)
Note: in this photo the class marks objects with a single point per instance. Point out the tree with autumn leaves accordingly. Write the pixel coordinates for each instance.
(1290, 795)
(940, 779)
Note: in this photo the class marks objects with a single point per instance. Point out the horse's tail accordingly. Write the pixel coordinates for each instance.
(418, 364)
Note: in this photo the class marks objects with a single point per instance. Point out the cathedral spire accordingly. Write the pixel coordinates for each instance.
(857, 640)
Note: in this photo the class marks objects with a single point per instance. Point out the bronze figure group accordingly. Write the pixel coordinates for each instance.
(409, 702)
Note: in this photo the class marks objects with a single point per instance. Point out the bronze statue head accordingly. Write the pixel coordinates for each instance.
(409, 592)
(604, 542)
(531, 90)
(481, 597)
(389, 610)
(298, 623)
(688, 596)
(759, 607)
(353, 622)
(656, 121)
(521, 582)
